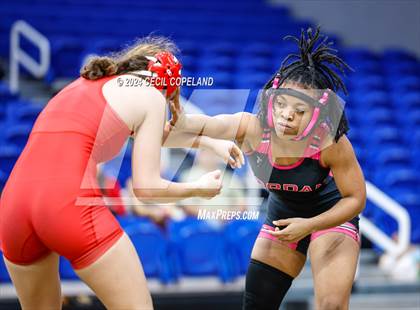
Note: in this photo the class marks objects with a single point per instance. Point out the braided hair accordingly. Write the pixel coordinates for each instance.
(311, 69)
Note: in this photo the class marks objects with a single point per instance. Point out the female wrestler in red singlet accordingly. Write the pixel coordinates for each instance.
(51, 204)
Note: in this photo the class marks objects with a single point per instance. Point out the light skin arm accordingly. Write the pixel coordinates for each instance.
(350, 182)
(148, 185)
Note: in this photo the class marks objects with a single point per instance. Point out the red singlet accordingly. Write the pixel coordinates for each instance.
(45, 204)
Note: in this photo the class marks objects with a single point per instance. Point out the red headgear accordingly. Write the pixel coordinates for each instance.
(165, 71)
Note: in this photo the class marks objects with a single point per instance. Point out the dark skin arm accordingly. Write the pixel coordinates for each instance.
(243, 128)
(350, 182)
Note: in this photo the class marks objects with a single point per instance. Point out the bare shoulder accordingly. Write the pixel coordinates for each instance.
(251, 131)
(131, 99)
(337, 152)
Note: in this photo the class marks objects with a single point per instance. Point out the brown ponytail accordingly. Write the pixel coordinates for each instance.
(130, 59)
(98, 67)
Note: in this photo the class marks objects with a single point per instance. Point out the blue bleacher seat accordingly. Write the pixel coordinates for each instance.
(353, 118)
(353, 56)
(153, 249)
(371, 99)
(393, 158)
(404, 104)
(216, 63)
(26, 114)
(402, 178)
(17, 135)
(125, 170)
(364, 68)
(189, 48)
(3, 115)
(241, 235)
(4, 275)
(359, 151)
(66, 57)
(221, 48)
(201, 249)
(8, 156)
(380, 116)
(217, 101)
(367, 83)
(257, 49)
(127, 220)
(105, 47)
(189, 63)
(405, 83)
(414, 144)
(254, 81)
(355, 135)
(385, 135)
(3, 179)
(250, 65)
(413, 118)
(66, 270)
(393, 69)
(397, 54)
(5, 93)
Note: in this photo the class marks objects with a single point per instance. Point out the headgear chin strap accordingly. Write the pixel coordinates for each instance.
(165, 71)
(319, 105)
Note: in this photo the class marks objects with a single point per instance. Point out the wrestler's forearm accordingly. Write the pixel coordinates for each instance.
(223, 126)
(179, 139)
(165, 191)
(344, 210)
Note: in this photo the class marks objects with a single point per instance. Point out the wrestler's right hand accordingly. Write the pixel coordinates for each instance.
(209, 185)
(178, 118)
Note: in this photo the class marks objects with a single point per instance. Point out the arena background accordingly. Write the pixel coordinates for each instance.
(239, 44)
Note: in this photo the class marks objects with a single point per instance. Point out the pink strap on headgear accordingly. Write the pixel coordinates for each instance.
(270, 121)
(323, 101)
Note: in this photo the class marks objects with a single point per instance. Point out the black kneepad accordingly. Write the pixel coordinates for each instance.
(265, 287)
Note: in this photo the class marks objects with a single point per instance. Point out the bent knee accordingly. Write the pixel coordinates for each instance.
(278, 256)
(332, 302)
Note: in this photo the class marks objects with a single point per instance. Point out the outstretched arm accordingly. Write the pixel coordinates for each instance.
(227, 150)
(239, 126)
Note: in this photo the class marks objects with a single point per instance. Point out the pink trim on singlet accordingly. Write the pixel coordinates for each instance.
(347, 228)
(265, 235)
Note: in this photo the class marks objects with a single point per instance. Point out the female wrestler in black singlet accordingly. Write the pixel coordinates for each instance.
(298, 150)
